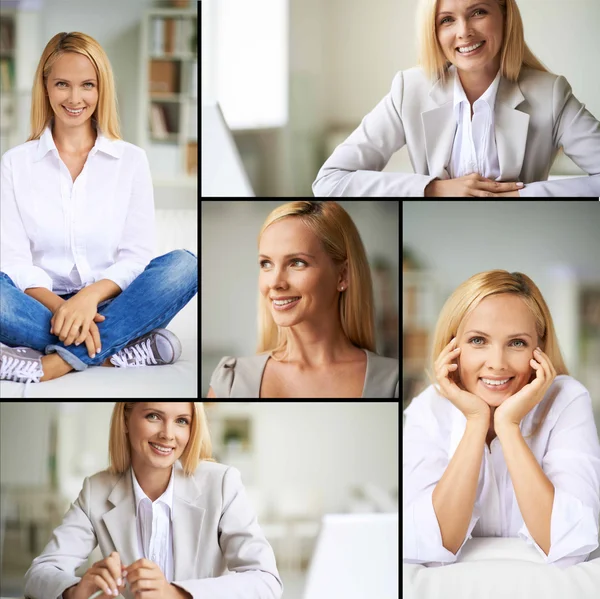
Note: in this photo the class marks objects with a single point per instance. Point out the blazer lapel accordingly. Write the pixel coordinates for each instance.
(121, 522)
(187, 526)
(511, 128)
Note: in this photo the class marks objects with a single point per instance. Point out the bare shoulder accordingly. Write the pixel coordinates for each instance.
(211, 393)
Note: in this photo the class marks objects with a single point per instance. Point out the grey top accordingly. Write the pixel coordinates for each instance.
(241, 377)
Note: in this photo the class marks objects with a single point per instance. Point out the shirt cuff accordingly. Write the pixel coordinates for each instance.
(422, 537)
(573, 531)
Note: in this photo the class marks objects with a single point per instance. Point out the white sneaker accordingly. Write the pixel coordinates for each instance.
(156, 348)
(21, 365)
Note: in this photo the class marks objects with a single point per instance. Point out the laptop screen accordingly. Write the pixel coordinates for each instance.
(223, 173)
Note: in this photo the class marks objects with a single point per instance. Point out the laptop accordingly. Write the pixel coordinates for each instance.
(223, 173)
(356, 557)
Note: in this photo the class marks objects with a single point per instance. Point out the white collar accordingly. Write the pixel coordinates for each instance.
(166, 497)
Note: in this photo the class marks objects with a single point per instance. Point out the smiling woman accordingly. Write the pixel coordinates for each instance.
(481, 116)
(161, 497)
(503, 442)
(315, 313)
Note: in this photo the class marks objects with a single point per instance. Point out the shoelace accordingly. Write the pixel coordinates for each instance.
(20, 371)
(136, 355)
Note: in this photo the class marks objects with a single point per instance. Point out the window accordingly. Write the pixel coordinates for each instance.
(245, 61)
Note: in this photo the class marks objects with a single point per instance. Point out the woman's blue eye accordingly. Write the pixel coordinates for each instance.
(292, 262)
(154, 414)
(478, 10)
(513, 341)
(88, 83)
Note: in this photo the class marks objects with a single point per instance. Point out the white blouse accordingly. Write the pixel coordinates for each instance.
(566, 447)
(155, 526)
(65, 235)
(474, 148)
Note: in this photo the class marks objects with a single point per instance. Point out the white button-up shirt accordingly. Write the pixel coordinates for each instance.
(65, 235)
(155, 526)
(474, 149)
(566, 447)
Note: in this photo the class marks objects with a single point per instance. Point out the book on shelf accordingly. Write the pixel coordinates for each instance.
(158, 122)
(7, 42)
(7, 74)
(163, 77)
(171, 36)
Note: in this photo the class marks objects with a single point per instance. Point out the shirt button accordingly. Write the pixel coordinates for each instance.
(154, 558)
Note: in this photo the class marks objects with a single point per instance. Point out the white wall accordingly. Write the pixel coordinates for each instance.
(25, 442)
(325, 449)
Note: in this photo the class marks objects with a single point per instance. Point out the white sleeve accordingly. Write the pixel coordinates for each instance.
(16, 260)
(354, 167)
(138, 243)
(425, 459)
(572, 464)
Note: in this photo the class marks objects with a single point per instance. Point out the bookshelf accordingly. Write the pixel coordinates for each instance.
(421, 304)
(8, 87)
(168, 115)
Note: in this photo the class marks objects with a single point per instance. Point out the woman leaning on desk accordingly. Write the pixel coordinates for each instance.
(503, 443)
(474, 123)
(171, 525)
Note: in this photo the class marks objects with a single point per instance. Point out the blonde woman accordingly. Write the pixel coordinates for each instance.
(480, 114)
(171, 523)
(315, 313)
(503, 443)
(78, 234)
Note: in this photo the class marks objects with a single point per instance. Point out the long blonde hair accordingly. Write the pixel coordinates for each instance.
(515, 53)
(341, 241)
(199, 446)
(105, 115)
(469, 295)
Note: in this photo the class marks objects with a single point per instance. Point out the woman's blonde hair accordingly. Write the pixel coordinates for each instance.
(341, 241)
(514, 54)
(199, 446)
(105, 116)
(469, 295)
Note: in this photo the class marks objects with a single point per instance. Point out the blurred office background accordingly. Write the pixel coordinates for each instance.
(298, 461)
(295, 77)
(556, 244)
(230, 272)
(152, 47)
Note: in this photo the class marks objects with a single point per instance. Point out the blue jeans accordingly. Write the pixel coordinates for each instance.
(152, 300)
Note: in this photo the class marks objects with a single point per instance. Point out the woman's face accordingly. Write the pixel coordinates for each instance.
(163, 423)
(471, 22)
(497, 342)
(293, 265)
(72, 83)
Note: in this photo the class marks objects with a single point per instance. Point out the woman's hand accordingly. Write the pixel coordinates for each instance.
(147, 579)
(71, 321)
(473, 185)
(517, 406)
(102, 576)
(470, 405)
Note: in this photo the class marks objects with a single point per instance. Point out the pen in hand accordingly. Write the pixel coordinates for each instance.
(99, 593)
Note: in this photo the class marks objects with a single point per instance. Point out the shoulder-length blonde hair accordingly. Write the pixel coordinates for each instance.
(106, 115)
(515, 53)
(199, 446)
(469, 295)
(341, 241)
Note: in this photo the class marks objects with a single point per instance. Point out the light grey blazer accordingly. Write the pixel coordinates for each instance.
(219, 551)
(242, 377)
(533, 119)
